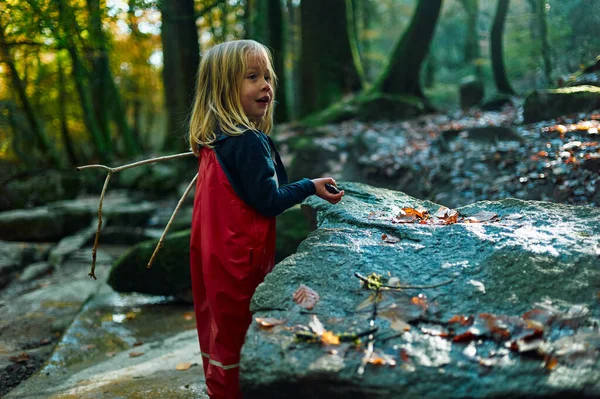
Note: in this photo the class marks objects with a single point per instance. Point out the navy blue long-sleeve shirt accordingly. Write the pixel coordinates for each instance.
(256, 173)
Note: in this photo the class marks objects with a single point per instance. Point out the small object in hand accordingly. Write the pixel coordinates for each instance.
(331, 188)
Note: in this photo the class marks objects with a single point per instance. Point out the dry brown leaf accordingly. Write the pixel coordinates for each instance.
(268, 322)
(135, 354)
(21, 358)
(183, 366)
(306, 297)
(138, 343)
(329, 338)
(188, 316)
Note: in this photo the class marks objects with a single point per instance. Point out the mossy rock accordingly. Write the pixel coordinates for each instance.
(471, 92)
(495, 102)
(370, 107)
(36, 188)
(549, 104)
(170, 271)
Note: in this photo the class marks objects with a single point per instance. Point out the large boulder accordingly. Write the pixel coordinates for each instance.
(548, 104)
(508, 308)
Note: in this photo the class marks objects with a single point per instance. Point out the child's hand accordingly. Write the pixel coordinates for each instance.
(323, 193)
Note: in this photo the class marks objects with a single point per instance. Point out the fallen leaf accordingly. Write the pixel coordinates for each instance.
(329, 338)
(389, 239)
(483, 216)
(21, 358)
(138, 343)
(268, 322)
(551, 363)
(135, 354)
(316, 326)
(306, 297)
(188, 316)
(183, 366)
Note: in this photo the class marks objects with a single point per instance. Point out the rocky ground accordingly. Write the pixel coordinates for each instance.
(461, 158)
(453, 160)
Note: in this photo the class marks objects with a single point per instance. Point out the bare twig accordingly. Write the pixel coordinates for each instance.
(92, 273)
(110, 171)
(162, 237)
(139, 163)
(403, 287)
(369, 352)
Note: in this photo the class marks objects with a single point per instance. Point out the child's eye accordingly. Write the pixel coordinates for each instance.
(253, 77)
(268, 78)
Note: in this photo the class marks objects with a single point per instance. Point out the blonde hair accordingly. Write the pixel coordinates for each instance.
(217, 101)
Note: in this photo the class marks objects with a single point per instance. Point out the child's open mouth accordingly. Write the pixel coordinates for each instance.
(264, 100)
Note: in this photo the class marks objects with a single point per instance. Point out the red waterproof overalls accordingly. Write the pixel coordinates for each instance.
(232, 248)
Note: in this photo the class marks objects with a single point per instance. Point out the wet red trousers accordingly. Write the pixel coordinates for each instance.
(232, 248)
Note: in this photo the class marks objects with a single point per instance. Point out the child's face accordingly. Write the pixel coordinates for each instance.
(256, 93)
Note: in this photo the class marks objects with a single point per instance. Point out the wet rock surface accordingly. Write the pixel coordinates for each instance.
(511, 310)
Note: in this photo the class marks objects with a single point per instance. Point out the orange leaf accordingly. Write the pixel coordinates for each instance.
(188, 316)
(268, 322)
(183, 366)
(551, 363)
(329, 338)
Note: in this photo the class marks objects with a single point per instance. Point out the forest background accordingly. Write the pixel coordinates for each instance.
(92, 80)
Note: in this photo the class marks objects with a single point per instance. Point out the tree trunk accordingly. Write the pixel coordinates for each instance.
(36, 126)
(181, 58)
(62, 111)
(543, 21)
(472, 51)
(106, 96)
(265, 25)
(497, 34)
(100, 69)
(102, 146)
(401, 75)
(327, 67)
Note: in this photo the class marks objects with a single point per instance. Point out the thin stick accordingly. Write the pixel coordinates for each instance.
(162, 237)
(110, 171)
(369, 352)
(403, 287)
(92, 273)
(133, 165)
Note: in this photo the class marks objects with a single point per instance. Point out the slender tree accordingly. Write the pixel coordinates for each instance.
(181, 57)
(106, 97)
(500, 78)
(62, 112)
(265, 24)
(327, 67)
(35, 124)
(401, 76)
(472, 52)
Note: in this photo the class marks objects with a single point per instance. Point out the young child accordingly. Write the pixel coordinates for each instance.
(242, 185)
